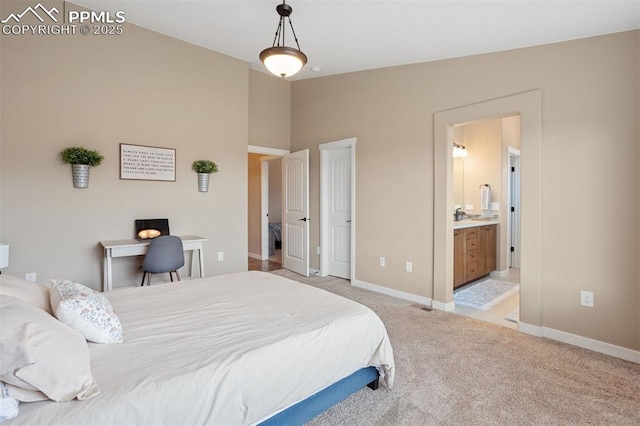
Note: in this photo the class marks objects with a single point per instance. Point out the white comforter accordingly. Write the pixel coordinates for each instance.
(227, 350)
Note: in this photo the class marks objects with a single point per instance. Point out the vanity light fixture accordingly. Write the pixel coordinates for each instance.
(282, 60)
(459, 150)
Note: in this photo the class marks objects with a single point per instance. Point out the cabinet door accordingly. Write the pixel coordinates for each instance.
(458, 257)
(490, 233)
(482, 251)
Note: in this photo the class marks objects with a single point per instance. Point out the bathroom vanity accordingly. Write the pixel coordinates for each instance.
(474, 248)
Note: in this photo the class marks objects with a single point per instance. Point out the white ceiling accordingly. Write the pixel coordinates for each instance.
(354, 35)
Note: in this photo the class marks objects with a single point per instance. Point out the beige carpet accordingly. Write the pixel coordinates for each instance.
(454, 370)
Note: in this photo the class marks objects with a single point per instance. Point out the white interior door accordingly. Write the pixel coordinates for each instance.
(339, 188)
(295, 212)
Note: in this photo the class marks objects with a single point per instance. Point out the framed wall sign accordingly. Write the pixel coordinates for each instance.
(140, 162)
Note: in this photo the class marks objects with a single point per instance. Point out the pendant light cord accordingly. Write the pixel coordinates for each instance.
(280, 32)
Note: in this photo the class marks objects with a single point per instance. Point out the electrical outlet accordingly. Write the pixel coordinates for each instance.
(408, 267)
(468, 207)
(586, 298)
(30, 276)
(318, 250)
(220, 256)
(383, 262)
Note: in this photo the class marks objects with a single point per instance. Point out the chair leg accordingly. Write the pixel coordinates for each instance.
(178, 275)
(149, 279)
(171, 276)
(144, 275)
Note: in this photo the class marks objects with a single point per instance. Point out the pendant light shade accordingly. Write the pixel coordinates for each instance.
(282, 60)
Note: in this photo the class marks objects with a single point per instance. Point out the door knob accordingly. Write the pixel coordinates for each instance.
(349, 221)
(304, 219)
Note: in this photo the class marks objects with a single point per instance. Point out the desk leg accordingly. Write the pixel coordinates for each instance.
(193, 264)
(201, 257)
(107, 280)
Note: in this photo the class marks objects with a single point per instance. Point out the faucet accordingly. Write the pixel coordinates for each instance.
(458, 215)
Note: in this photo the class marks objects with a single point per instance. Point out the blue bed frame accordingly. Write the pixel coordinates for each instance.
(303, 411)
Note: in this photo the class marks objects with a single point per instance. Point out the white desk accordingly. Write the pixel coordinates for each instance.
(133, 247)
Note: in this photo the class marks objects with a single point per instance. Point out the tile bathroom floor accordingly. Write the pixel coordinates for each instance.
(497, 313)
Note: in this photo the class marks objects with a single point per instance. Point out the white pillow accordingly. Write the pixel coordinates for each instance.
(85, 310)
(33, 293)
(39, 353)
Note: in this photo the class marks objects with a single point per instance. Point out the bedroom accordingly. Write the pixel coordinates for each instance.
(150, 89)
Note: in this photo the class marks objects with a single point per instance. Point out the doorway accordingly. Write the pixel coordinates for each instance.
(529, 106)
(264, 208)
(485, 283)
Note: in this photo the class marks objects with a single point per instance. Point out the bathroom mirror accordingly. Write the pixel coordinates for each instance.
(458, 182)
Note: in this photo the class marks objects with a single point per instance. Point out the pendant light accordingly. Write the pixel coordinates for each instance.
(282, 60)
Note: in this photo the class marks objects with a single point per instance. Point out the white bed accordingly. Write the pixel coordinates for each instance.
(226, 350)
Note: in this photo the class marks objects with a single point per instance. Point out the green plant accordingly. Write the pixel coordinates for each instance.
(204, 166)
(81, 155)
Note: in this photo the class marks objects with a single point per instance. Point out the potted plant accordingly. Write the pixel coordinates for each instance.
(81, 159)
(204, 168)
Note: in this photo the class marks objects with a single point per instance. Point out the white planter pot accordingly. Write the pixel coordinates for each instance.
(80, 174)
(203, 182)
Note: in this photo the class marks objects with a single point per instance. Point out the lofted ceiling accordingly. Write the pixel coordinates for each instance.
(353, 35)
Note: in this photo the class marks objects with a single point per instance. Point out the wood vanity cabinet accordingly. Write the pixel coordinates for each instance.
(474, 253)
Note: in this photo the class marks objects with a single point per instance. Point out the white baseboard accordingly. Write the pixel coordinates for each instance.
(500, 274)
(583, 342)
(441, 306)
(255, 256)
(550, 333)
(391, 292)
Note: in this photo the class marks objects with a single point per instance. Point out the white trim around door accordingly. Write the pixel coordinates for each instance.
(513, 206)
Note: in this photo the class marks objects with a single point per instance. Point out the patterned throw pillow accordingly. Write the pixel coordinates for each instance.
(86, 311)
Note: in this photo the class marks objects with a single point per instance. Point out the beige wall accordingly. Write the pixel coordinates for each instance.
(139, 88)
(589, 163)
(269, 111)
(511, 132)
(483, 163)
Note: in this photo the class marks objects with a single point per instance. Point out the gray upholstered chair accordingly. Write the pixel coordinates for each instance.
(165, 254)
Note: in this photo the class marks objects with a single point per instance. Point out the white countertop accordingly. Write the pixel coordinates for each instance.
(470, 223)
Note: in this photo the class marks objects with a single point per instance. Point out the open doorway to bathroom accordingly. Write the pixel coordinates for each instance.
(486, 193)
